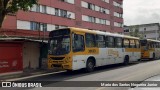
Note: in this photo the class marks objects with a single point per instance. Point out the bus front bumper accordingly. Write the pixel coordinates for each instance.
(65, 66)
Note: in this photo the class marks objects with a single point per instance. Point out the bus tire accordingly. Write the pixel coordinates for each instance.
(139, 60)
(90, 65)
(126, 60)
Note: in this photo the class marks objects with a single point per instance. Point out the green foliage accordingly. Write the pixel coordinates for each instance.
(16, 5)
(12, 6)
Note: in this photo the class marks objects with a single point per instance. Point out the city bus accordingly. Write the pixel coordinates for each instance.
(150, 49)
(76, 48)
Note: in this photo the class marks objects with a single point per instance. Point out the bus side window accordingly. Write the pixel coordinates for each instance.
(111, 43)
(78, 43)
(152, 44)
(118, 42)
(90, 40)
(107, 41)
(100, 40)
(132, 43)
(157, 45)
(126, 43)
(137, 44)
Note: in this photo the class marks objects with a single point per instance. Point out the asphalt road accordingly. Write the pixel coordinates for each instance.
(137, 71)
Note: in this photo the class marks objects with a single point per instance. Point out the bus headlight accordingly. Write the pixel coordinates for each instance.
(50, 61)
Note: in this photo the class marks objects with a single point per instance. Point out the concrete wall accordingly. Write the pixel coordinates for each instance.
(31, 54)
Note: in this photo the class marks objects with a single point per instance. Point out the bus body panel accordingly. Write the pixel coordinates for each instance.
(133, 53)
(79, 61)
(116, 55)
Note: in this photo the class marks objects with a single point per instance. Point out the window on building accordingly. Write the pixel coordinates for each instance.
(103, 21)
(106, 1)
(117, 24)
(78, 42)
(63, 13)
(68, 1)
(107, 11)
(44, 9)
(57, 26)
(35, 8)
(127, 30)
(107, 22)
(103, 11)
(100, 41)
(91, 6)
(91, 19)
(116, 14)
(84, 4)
(38, 26)
(56, 11)
(71, 1)
(116, 4)
(43, 27)
(35, 25)
(90, 40)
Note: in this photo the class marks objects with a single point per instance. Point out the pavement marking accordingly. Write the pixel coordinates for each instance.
(16, 79)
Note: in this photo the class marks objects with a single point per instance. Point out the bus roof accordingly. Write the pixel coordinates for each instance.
(99, 32)
(130, 37)
(152, 40)
(95, 32)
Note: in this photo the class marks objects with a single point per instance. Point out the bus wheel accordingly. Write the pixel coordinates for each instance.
(90, 65)
(126, 60)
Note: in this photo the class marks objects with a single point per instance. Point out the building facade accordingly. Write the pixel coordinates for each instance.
(145, 31)
(103, 15)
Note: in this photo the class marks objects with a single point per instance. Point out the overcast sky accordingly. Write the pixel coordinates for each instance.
(141, 11)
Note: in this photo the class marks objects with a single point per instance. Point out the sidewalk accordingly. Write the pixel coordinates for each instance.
(29, 74)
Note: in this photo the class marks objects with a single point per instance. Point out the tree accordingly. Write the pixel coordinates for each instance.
(12, 6)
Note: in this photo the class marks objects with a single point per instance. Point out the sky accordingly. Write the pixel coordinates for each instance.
(141, 11)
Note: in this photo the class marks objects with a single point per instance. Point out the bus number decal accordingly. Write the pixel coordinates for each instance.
(92, 51)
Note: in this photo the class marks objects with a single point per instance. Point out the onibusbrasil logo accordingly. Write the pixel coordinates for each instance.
(21, 84)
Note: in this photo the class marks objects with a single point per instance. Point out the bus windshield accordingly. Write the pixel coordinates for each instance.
(59, 45)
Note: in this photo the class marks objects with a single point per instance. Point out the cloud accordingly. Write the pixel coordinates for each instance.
(141, 11)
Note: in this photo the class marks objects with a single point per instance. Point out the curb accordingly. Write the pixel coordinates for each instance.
(32, 76)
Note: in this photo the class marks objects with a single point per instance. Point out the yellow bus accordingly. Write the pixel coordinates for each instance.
(76, 48)
(150, 49)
